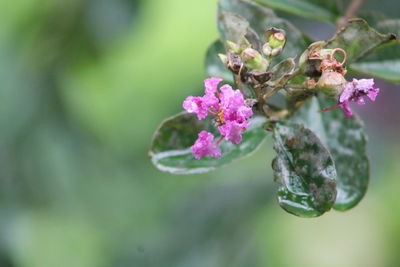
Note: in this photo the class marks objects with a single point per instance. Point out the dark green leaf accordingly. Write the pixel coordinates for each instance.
(305, 170)
(214, 66)
(261, 19)
(384, 63)
(325, 10)
(281, 72)
(358, 39)
(346, 140)
(170, 150)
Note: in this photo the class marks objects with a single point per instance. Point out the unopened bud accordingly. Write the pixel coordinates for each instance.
(331, 83)
(277, 51)
(253, 59)
(275, 37)
(224, 59)
(277, 40)
(232, 47)
(267, 50)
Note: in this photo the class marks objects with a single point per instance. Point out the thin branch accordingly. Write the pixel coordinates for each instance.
(350, 13)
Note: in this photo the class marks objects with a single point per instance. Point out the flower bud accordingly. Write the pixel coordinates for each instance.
(233, 48)
(275, 37)
(253, 60)
(331, 83)
(224, 59)
(267, 50)
(277, 51)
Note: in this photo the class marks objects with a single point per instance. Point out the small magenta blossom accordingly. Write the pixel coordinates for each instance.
(230, 111)
(355, 91)
(232, 131)
(205, 145)
(202, 104)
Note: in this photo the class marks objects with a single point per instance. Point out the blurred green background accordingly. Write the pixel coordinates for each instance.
(84, 84)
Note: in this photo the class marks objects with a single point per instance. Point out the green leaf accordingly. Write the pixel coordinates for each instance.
(325, 10)
(358, 39)
(214, 66)
(170, 149)
(305, 170)
(232, 27)
(384, 63)
(346, 140)
(261, 19)
(282, 71)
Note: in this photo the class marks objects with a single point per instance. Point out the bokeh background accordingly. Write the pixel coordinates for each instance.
(83, 85)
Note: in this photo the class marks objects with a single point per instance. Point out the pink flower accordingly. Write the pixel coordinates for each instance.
(196, 104)
(232, 131)
(233, 104)
(211, 85)
(230, 111)
(355, 91)
(205, 145)
(201, 105)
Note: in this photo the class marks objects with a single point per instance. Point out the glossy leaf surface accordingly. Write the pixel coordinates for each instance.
(358, 39)
(305, 170)
(170, 150)
(346, 141)
(261, 19)
(384, 63)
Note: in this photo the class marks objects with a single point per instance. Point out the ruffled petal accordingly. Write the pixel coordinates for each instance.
(373, 93)
(363, 85)
(211, 85)
(232, 131)
(205, 145)
(195, 104)
(347, 92)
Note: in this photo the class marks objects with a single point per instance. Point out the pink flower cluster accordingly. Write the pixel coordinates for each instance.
(355, 91)
(230, 111)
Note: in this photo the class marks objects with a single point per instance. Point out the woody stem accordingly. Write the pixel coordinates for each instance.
(271, 93)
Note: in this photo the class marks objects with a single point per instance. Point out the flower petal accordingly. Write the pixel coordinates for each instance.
(232, 131)
(347, 92)
(211, 85)
(363, 85)
(373, 93)
(360, 101)
(195, 104)
(205, 145)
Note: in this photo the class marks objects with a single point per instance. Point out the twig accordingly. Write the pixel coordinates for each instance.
(238, 79)
(271, 93)
(350, 13)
